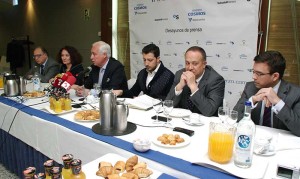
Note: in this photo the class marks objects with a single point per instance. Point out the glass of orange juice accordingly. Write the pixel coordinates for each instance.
(220, 142)
(1, 81)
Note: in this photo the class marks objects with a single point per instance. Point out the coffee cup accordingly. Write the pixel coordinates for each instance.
(261, 145)
(194, 118)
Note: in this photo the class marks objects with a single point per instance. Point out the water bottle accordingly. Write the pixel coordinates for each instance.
(36, 80)
(244, 139)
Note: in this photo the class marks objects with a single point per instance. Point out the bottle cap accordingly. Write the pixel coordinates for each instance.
(247, 103)
(49, 163)
(76, 162)
(29, 171)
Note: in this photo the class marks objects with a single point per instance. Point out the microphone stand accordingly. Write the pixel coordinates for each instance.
(84, 96)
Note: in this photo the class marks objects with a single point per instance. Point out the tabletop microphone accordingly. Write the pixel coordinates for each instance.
(66, 85)
(87, 70)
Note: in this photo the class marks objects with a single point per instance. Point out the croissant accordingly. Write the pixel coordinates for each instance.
(119, 167)
(132, 161)
(142, 172)
(115, 176)
(104, 164)
(130, 176)
(140, 165)
(105, 171)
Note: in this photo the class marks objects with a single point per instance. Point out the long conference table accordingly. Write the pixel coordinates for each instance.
(30, 135)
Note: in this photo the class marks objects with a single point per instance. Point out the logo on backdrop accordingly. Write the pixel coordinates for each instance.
(176, 16)
(140, 9)
(193, 16)
(225, 2)
(243, 56)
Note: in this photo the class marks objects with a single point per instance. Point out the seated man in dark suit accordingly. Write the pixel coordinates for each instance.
(154, 80)
(198, 86)
(45, 66)
(275, 102)
(106, 71)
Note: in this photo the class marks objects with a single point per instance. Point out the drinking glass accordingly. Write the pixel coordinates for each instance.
(232, 117)
(168, 107)
(157, 105)
(97, 90)
(223, 113)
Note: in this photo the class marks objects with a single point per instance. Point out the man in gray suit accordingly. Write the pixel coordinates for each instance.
(198, 86)
(45, 66)
(275, 102)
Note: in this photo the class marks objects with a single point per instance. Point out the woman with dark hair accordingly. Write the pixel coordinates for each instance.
(70, 60)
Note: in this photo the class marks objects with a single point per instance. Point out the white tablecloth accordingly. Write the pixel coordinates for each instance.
(55, 140)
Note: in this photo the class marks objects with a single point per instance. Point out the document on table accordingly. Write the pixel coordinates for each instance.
(143, 102)
(257, 170)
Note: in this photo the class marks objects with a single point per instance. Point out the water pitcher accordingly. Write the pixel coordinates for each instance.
(120, 117)
(107, 104)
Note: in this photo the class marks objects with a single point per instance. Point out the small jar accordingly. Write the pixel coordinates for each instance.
(29, 173)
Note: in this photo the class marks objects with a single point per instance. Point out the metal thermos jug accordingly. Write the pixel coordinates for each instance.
(11, 85)
(22, 85)
(5, 74)
(107, 104)
(120, 114)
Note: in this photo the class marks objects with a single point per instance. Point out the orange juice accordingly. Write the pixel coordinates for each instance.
(1, 81)
(220, 146)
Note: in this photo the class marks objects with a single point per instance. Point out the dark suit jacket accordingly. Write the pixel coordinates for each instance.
(288, 117)
(75, 70)
(114, 76)
(207, 99)
(50, 70)
(158, 87)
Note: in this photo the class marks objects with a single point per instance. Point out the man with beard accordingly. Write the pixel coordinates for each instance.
(154, 80)
(275, 102)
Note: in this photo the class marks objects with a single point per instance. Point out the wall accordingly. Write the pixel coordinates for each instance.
(52, 24)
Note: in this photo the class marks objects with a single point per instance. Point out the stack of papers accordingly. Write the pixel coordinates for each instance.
(143, 102)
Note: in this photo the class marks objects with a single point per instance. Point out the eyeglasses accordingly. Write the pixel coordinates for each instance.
(259, 74)
(37, 56)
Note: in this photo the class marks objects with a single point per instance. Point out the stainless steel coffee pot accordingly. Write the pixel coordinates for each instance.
(11, 85)
(22, 85)
(120, 115)
(107, 104)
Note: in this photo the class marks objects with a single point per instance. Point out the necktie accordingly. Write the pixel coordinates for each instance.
(42, 69)
(190, 104)
(267, 117)
(101, 73)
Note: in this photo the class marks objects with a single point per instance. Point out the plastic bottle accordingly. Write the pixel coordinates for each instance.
(76, 170)
(62, 101)
(57, 105)
(66, 170)
(40, 176)
(48, 165)
(36, 80)
(67, 101)
(245, 139)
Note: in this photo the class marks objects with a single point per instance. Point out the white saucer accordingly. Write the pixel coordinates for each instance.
(269, 153)
(193, 123)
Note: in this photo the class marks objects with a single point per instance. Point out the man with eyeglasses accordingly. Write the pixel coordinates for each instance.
(275, 102)
(44, 65)
(197, 87)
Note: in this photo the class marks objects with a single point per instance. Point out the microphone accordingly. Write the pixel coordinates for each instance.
(87, 70)
(66, 85)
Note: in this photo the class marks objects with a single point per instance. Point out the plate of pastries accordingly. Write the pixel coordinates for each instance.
(34, 94)
(172, 140)
(131, 168)
(87, 115)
